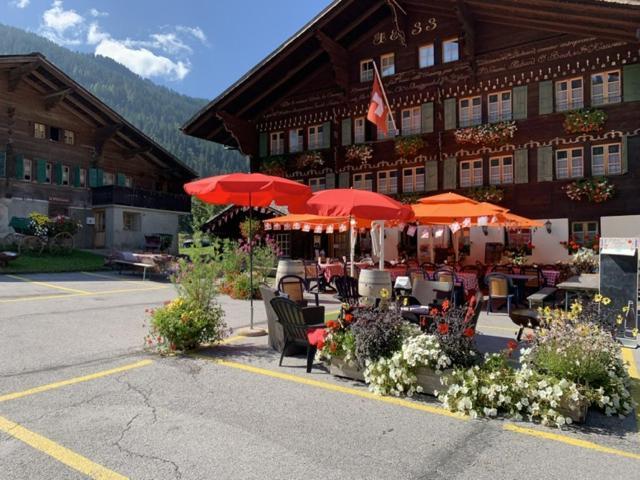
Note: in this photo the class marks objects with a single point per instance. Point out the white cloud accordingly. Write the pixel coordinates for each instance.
(95, 35)
(59, 19)
(21, 3)
(142, 61)
(94, 12)
(194, 31)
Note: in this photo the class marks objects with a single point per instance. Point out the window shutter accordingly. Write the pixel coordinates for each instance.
(76, 176)
(99, 177)
(41, 170)
(426, 121)
(121, 179)
(263, 150)
(450, 114)
(326, 135)
(57, 171)
(93, 177)
(343, 180)
(19, 167)
(520, 100)
(449, 174)
(631, 82)
(330, 180)
(521, 166)
(624, 154)
(545, 90)
(431, 176)
(545, 164)
(3, 164)
(346, 132)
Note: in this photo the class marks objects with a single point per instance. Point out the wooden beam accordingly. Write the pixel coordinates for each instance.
(468, 27)
(17, 74)
(103, 134)
(339, 57)
(241, 131)
(135, 151)
(53, 99)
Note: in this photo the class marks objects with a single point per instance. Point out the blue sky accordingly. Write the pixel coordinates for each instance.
(197, 47)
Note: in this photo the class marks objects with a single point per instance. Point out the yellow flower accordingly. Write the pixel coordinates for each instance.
(606, 300)
(634, 332)
(619, 319)
(597, 298)
(625, 310)
(384, 293)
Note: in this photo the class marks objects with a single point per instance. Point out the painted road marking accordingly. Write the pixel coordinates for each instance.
(627, 356)
(48, 285)
(555, 437)
(87, 294)
(73, 381)
(632, 368)
(58, 452)
(112, 277)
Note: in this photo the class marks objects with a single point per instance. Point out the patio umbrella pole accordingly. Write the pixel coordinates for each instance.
(352, 246)
(250, 261)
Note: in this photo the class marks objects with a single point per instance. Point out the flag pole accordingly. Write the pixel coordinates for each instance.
(384, 96)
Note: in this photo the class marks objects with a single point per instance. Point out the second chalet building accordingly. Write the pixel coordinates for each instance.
(513, 102)
(64, 152)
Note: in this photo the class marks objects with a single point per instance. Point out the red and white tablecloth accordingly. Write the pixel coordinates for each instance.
(551, 277)
(330, 270)
(469, 280)
(395, 272)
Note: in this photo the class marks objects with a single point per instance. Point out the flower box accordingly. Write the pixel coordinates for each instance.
(575, 410)
(341, 368)
(430, 381)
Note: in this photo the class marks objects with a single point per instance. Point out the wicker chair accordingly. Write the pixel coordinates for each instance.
(292, 318)
(347, 288)
(294, 288)
(500, 287)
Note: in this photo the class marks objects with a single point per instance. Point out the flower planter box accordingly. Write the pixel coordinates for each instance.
(429, 380)
(341, 368)
(576, 411)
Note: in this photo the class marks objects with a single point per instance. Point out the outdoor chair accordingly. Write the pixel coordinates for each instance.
(295, 326)
(294, 287)
(448, 276)
(500, 287)
(424, 293)
(347, 288)
(502, 269)
(276, 334)
(313, 274)
(538, 282)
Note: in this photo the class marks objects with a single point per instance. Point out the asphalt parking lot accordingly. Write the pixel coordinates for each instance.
(79, 398)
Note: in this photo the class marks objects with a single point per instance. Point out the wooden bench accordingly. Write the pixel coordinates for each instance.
(122, 264)
(6, 257)
(540, 296)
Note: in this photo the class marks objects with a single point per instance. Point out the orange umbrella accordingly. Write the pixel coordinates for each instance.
(509, 219)
(443, 213)
(315, 220)
(448, 198)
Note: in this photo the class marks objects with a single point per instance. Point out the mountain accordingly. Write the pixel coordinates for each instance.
(156, 110)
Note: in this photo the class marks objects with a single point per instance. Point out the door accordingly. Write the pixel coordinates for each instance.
(99, 229)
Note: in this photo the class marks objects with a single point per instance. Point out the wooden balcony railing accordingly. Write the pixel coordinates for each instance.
(135, 197)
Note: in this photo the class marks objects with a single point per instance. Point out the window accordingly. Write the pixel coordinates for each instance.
(27, 166)
(470, 111)
(500, 170)
(54, 134)
(520, 238)
(47, 169)
(499, 107)
(277, 143)
(388, 181)
(363, 181)
(411, 120)
(65, 175)
(108, 178)
(426, 55)
(569, 94)
(317, 184)
(316, 134)
(388, 64)
(366, 70)
(69, 137)
(413, 180)
(584, 233)
(471, 173)
(283, 241)
(606, 160)
(39, 130)
(605, 88)
(296, 140)
(569, 163)
(359, 130)
(131, 221)
(391, 131)
(450, 50)
(128, 181)
(82, 181)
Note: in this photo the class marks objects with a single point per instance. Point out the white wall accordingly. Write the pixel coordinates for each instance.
(479, 241)
(625, 226)
(548, 248)
(391, 239)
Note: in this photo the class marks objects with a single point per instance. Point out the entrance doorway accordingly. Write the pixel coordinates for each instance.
(99, 229)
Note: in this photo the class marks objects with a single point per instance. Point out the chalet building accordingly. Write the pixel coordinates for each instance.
(64, 152)
(524, 103)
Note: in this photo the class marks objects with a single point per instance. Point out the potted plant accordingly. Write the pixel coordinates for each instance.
(585, 120)
(595, 190)
(312, 159)
(486, 194)
(487, 135)
(409, 146)
(359, 154)
(275, 165)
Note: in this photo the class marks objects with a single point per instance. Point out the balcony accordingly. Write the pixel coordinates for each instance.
(135, 197)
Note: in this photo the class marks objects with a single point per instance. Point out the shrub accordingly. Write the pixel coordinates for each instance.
(377, 334)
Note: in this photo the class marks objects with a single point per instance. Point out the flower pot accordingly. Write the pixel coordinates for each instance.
(430, 381)
(341, 368)
(575, 410)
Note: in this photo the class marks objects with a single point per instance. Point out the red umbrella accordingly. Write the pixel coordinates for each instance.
(249, 190)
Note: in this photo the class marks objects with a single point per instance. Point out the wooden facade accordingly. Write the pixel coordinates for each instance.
(532, 60)
(62, 151)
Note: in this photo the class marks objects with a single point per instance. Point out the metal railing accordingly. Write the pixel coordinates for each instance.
(136, 197)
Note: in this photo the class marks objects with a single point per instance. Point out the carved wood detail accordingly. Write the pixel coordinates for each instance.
(242, 132)
(339, 58)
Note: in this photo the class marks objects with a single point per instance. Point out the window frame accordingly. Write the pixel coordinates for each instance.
(473, 180)
(298, 134)
(448, 41)
(415, 119)
(501, 115)
(391, 132)
(606, 159)
(26, 161)
(363, 181)
(134, 225)
(391, 188)
(502, 178)
(317, 136)
(384, 57)
(356, 137)
(82, 181)
(570, 166)
(108, 175)
(48, 173)
(283, 241)
(69, 137)
(276, 142)
(368, 74)
(414, 184)
(586, 231)
(36, 130)
(570, 105)
(606, 100)
(320, 183)
(472, 121)
(430, 46)
(66, 175)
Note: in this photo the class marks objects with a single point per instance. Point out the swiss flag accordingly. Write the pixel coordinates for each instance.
(378, 111)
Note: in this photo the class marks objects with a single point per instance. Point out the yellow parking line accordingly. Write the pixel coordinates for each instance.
(627, 356)
(58, 452)
(87, 294)
(111, 277)
(73, 381)
(48, 285)
(555, 437)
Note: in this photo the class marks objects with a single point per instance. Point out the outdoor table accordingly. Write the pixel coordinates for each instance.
(330, 270)
(585, 283)
(468, 280)
(395, 272)
(520, 282)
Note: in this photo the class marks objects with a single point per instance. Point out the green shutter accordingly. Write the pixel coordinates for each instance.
(520, 101)
(99, 177)
(121, 179)
(545, 102)
(93, 177)
(449, 180)
(330, 180)
(624, 154)
(521, 166)
(3, 164)
(450, 114)
(41, 170)
(346, 132)
(326, 135)
(76, 176)
(545, 164)
(57, 173)
(343, 180)
(431, 176)
(631, 82)
(19, 166)
(426, 125)
(264, 145)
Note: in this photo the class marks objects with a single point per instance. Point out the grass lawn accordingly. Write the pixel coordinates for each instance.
(46, 263)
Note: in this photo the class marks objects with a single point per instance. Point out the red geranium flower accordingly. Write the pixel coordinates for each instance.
(468, 332)
(445, 305)
(348, 318)
(333, 347)
(443, 329)
(433, 312)
(333, 325)
(512, 344)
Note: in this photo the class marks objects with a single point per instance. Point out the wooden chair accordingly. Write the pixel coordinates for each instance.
(347, 288)
(425, 292)
(294, 287)
(292, 318)
(313, 273)
(447, 275)
(538, 282)
(500, 287)
(502, 269)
